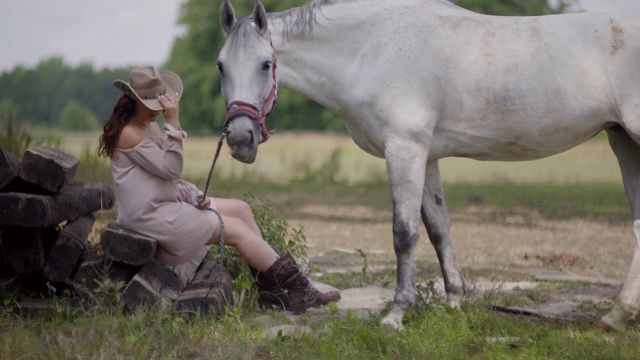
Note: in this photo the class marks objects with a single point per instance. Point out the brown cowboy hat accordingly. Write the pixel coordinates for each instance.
(147, 84)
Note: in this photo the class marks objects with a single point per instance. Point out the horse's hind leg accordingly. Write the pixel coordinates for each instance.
(628, 153)
(436, 220)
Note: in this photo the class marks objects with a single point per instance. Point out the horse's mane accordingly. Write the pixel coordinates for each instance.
(299, 19)
(303, 19)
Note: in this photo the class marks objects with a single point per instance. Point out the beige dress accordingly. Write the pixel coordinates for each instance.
(154, 201)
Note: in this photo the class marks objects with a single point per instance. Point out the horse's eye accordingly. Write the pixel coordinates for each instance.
(220, 68)
(266, 65)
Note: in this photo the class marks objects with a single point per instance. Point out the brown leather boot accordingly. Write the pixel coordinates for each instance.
(270, 295)
(302, 295)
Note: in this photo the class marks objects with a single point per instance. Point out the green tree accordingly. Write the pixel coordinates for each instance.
(8, 112)
(41, 93)
(517, 7)
(75, 116)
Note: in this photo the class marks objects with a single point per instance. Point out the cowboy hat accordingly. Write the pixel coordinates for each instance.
(147, 84)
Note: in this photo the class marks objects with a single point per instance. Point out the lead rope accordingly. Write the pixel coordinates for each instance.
(220, 262)
(200, 199)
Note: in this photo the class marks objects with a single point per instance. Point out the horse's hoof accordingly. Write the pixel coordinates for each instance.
(394, 318)
(392, 324)
(607, 324)
(454, 300)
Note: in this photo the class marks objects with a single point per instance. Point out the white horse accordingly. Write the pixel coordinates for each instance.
(419, 80)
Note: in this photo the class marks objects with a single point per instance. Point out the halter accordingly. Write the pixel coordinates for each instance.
(240, 108)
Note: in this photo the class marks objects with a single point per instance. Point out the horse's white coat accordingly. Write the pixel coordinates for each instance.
(419, 80)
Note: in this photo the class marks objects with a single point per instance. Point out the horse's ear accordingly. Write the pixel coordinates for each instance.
(227, 17)
(260, 17)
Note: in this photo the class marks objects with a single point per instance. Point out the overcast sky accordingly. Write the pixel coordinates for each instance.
(111, 33)
(102, 32)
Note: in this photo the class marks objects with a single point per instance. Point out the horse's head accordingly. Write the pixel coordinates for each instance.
(247, 65)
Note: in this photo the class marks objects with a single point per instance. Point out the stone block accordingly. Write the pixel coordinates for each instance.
(9, 166)
(156, 282)
(97, 269)
(127, 247)
(142, 291)
(208, 293)
(26, 249)
(68, 249)
(35, 210)
(48, 168)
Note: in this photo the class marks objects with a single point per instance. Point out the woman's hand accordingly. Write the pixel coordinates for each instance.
(171, 109)
(205, 204)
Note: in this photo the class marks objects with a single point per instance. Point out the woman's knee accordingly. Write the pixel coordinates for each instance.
(234, 207)
(245, 209)
(240, 207)
(235, 231)
(242, 210)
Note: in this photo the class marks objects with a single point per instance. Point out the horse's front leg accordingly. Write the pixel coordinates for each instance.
(436, 221)
(406, 162)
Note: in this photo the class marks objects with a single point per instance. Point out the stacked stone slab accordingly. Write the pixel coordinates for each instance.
(196, 286)
(45, 218)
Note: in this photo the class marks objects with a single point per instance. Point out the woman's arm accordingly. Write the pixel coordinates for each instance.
(163, 159)
(188, 192)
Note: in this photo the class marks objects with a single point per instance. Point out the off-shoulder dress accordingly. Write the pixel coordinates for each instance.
(153, 200)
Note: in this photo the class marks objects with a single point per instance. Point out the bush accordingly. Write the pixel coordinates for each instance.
(14, 139)
(275, 231)
(75, 116)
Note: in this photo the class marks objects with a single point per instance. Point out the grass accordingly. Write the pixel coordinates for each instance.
(592, 201)
(434, 332)
(296, 156)
(297, 170)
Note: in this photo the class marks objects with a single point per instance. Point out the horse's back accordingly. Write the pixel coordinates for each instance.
(505, 88)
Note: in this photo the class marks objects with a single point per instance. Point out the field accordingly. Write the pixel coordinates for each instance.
(504, 215)
(564, 216)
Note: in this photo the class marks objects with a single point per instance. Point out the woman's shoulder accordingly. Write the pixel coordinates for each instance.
(130, 137)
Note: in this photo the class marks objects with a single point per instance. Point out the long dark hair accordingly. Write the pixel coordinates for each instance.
(122, 112)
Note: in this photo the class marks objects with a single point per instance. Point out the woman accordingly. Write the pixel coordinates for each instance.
(154, 201)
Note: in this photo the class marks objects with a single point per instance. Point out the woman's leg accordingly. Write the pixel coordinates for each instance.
(238, 209)
(241, 231)
(269, 294)
(253, 249)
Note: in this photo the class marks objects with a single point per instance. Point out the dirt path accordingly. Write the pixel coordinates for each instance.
(530, 245)
(585, 261)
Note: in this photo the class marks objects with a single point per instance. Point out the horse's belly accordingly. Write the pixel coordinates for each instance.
(509, 144)
(366, 140)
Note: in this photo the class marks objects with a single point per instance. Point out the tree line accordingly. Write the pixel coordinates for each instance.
(54, 94)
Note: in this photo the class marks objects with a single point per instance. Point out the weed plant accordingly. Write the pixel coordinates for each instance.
(14, 139)
(275, 231)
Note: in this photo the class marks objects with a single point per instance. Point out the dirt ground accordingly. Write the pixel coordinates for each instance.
(590, 259)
